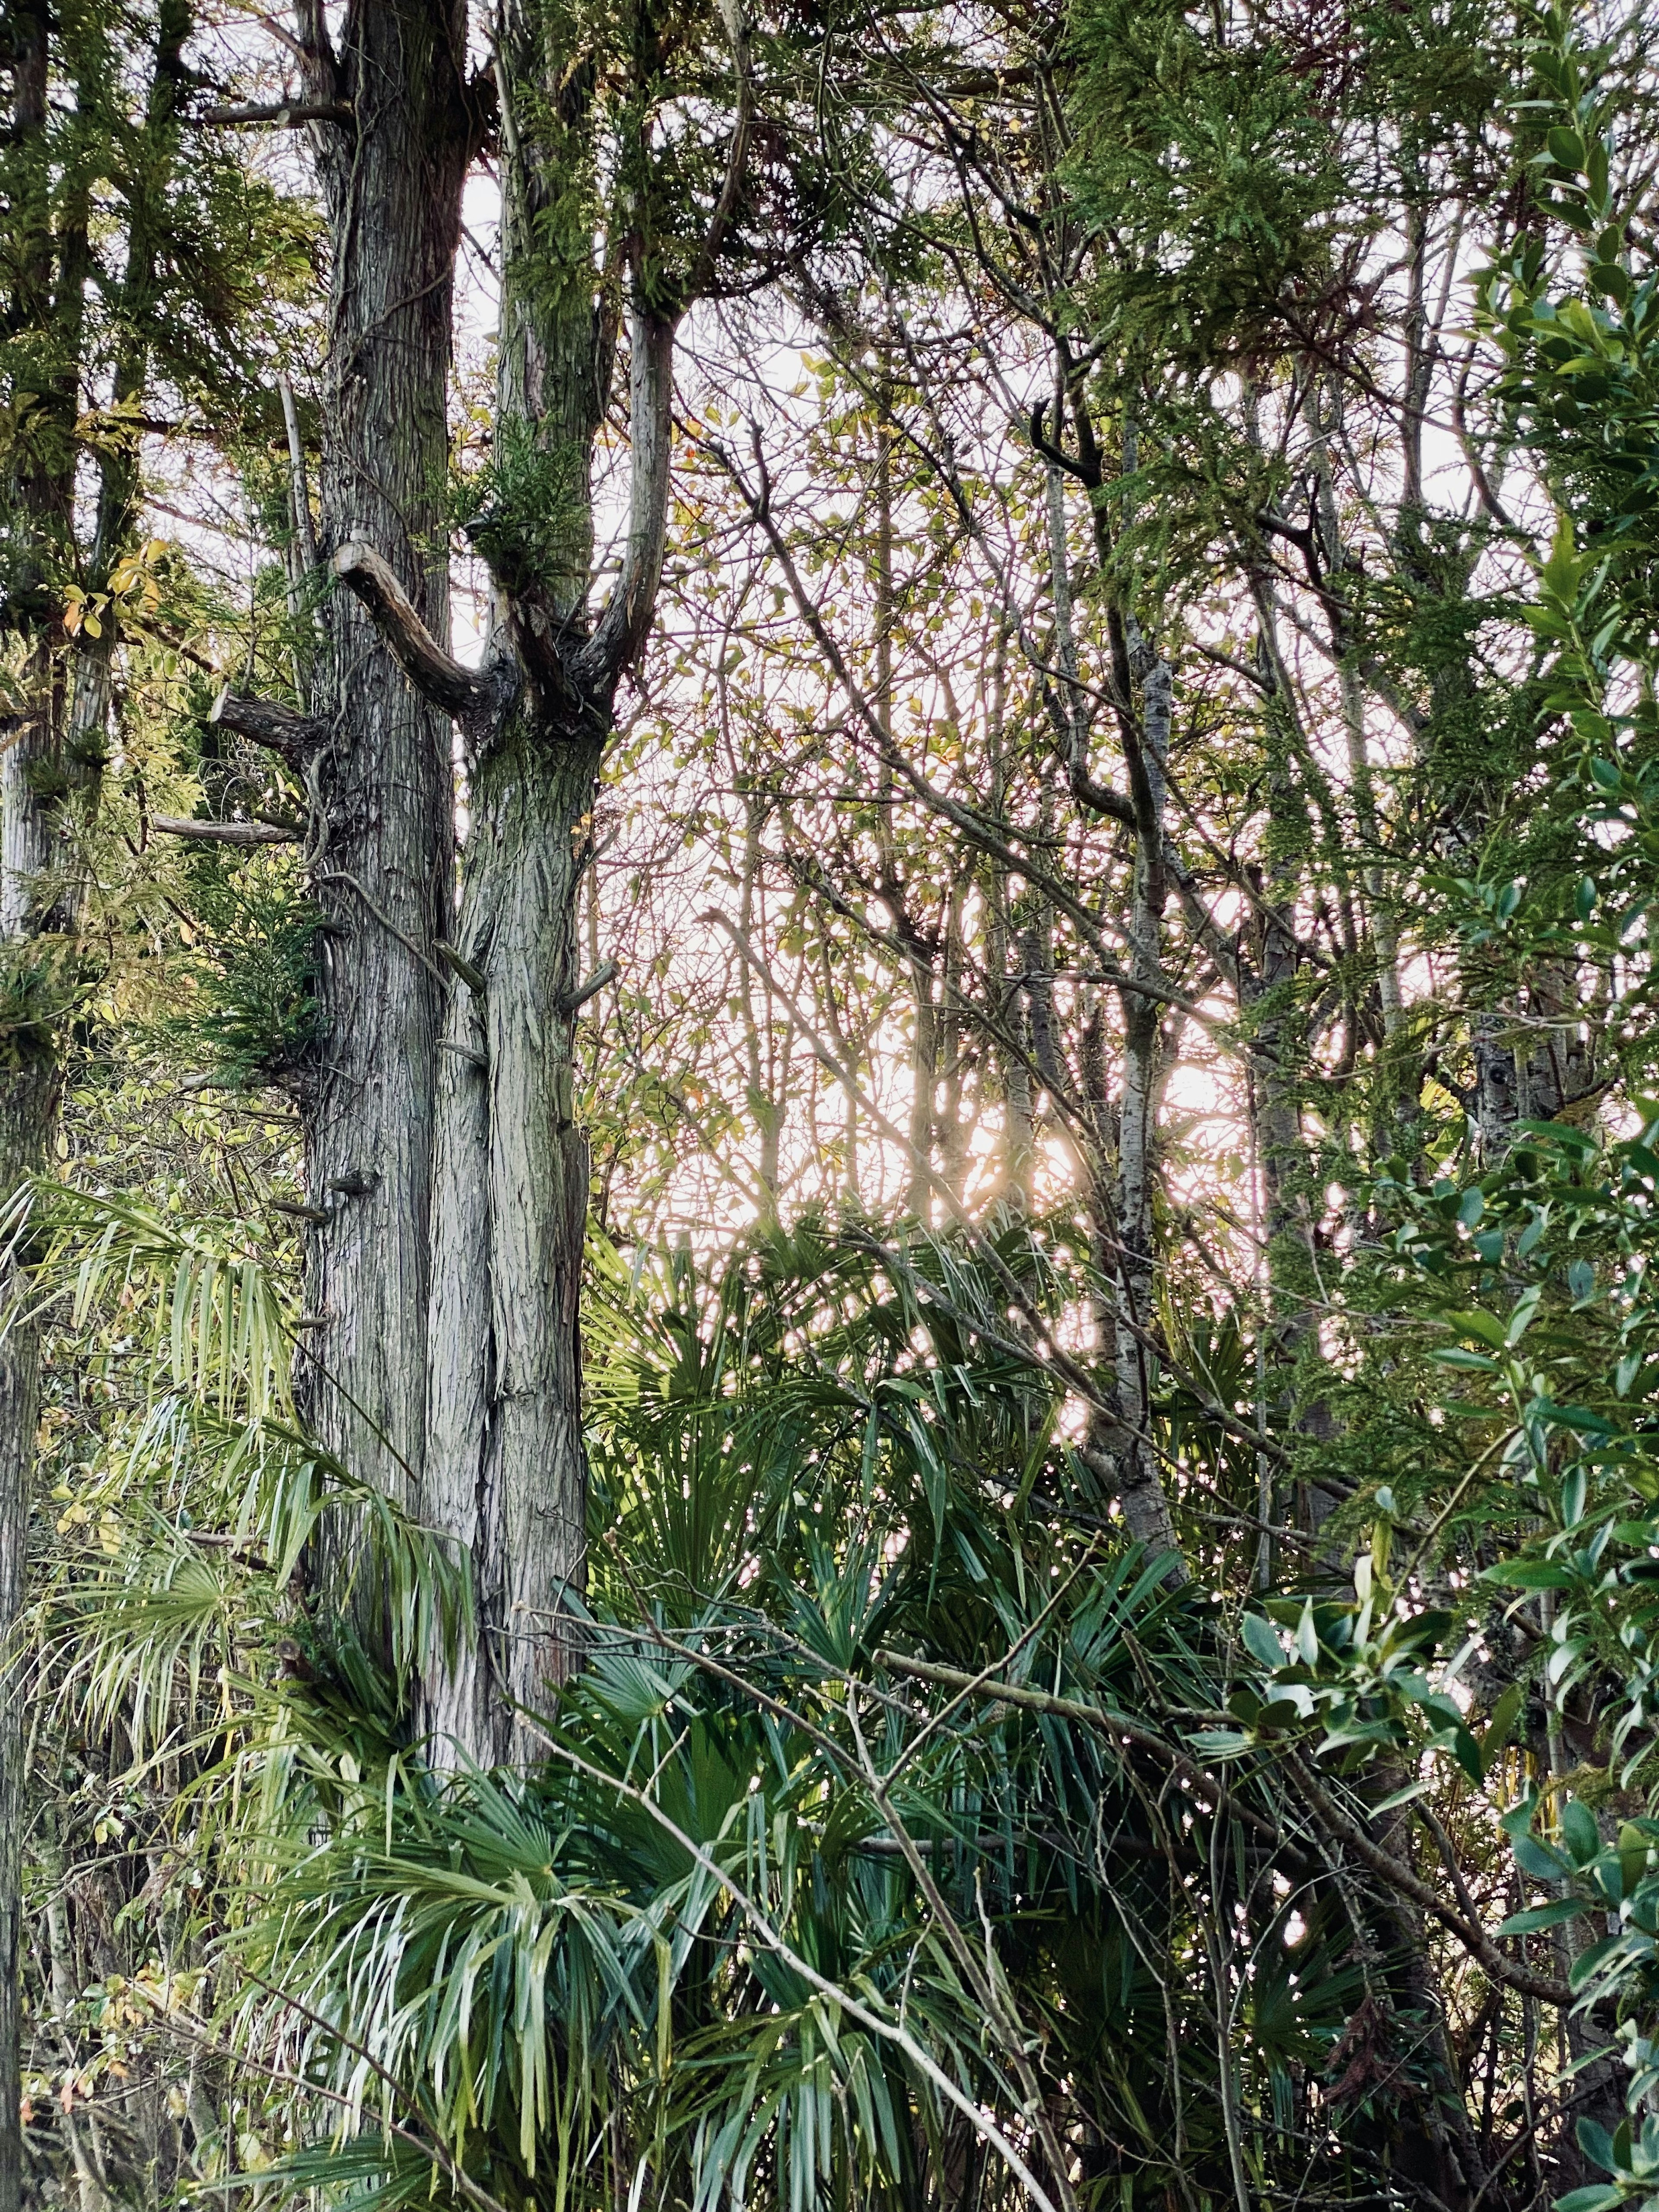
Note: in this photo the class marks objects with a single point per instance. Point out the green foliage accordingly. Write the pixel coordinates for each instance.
(895, 1780)
(728, 1936)
(1227, 174)
(181, 292)
(41, 981)
(249, 978)
(525, 509)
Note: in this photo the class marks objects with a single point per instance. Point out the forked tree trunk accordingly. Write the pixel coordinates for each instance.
(505, 1470)
(467, 1401)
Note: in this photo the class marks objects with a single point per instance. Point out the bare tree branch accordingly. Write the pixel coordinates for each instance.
(221, 833)
(703, 269)
(283, 114)
(417, 653)
(624, 624)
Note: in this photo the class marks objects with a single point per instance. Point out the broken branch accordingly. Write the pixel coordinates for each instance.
(263, 722)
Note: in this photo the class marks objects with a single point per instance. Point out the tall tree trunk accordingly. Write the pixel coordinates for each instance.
(950, 1126)
(391, 184)
(1014, 1076)
(503, 1469)
(506, 1472)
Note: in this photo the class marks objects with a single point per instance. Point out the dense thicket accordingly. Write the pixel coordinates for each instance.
(828, 841)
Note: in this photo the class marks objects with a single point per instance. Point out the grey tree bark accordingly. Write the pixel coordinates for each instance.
(392, 180)
(506, 1472)
(445, 1168)
(1124, 1230)
(1118, 1445)
(505, 1469)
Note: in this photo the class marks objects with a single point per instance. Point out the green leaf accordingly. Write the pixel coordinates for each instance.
(1219, 1743)
(1529, 1574)
(1504, 1715)
(1583, 1967)
(1560, 571)
(1520, 1319)
(1572, 1497)
(1485, 1328)
(1261, 1641)
(1398, 1797)
(1579, 1831)
(1537, 1858)
(1542, 1915)
(1596, 2144)
(1467, 1752)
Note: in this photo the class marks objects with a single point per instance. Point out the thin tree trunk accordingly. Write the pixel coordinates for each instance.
(950, 1126)
(924, 1075)
(768, 1102)
(1018, 1141)
(1121, 1448)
